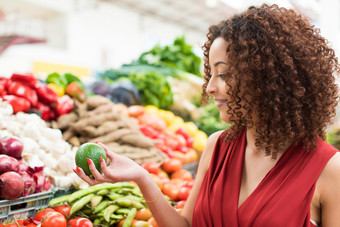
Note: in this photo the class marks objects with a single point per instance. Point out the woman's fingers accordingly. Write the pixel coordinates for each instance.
(109, 153)
(80, 172)
(94, 170)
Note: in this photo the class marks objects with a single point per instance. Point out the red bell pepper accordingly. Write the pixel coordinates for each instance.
(28, 79)
(148, 131)
(64, 105)
(24, 91)
(165, 149)
(46, 95)
(189, 140)
(43, 110)
(18, 104)
(6, 82)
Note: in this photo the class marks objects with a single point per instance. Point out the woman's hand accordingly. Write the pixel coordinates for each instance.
(120, 169)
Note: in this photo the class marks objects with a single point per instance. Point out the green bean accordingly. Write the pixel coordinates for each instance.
(117, 216)
(97, 221)
(101, 206)
(130, 217)
(93, 189)
(109, 211)
(95, 201)
(114, 196)
(122, 211)
(102, 192)
(81, 202)
(127, 202)
(59, 200)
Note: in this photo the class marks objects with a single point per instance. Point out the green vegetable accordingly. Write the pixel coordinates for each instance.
(154, 88)
(101, 206)
(109, 211)
(57, 79)
(180, 55)
(130, 217)
(95, 201)
(59, 200)
(81, 203)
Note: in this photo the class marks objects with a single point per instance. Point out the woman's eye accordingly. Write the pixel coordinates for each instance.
(222, 75)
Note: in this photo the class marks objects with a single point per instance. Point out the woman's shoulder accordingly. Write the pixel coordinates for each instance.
(332, 169)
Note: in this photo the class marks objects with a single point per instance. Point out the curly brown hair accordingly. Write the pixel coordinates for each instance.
(284, 73)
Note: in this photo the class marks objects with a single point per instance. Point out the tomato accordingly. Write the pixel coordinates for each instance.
(153, 222)
(79, 222)
(135, 111)
(189, 184)
(183, 193)
(171, 190)
(64, 210)
(171, 165)
(143, 214)
(40, 215)
(183, 174)
(157, 180)
(121, 223)
(31, 225)
(54, 219)
(180, 204)
(151, 167)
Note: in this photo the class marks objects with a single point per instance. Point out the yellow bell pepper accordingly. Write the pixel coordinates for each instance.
(200, 140)
(57, 89)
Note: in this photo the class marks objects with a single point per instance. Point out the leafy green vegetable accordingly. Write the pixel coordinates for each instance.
(154, 89)
(179, 56)
(209, 119)
(57, 79)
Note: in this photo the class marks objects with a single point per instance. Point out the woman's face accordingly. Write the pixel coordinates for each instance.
(218, 68)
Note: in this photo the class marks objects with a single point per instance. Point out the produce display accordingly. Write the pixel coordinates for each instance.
(98, 119)
(26, 93)
(143, 110)
(42, 146)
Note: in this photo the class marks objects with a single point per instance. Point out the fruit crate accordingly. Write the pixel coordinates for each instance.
(24, 206)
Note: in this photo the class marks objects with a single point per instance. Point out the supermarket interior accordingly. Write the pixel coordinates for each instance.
(77, 74)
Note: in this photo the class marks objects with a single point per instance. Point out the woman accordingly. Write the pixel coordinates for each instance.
(271, 75)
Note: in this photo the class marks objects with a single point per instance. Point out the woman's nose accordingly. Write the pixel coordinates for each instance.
(211, 87)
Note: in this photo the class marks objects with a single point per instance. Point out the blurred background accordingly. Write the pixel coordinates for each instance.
(92, 35)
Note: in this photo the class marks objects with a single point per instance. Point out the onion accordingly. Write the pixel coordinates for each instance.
(11, 147)
(22, 167)
(29, 183)
(8, 164)
(11, 185)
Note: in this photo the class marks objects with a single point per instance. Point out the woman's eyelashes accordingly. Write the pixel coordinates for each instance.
(222, 75)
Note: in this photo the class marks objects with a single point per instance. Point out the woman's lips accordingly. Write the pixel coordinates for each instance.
(220, 102)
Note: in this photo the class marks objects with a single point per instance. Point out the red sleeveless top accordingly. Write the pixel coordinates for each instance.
(282, 198)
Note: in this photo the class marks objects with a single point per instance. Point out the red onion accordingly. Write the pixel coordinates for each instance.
(8, 164)
(22, 167)
(11, 185)
(29, 183)
(11, 147)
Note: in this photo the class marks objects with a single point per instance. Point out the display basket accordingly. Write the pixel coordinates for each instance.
(24, 207)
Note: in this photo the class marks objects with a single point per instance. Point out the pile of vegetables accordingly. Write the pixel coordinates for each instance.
(173, 136)
(107, 204)
(42, 146)
(98, 119)
(179, 55)
(16, 178)
(66, 84)
(26, 93)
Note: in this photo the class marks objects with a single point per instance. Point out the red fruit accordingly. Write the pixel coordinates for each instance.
(151, 167)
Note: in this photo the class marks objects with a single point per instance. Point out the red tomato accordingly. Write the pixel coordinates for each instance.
(40, 215)
(79, 222)
(157, 180)
(54, 219)
(183, 193)
(64, 210)
(31, 225)
(171, 190)
(151, 167)
(171, 165)
(183, 174)
(153, 222)
(180, 204)
(189, 184)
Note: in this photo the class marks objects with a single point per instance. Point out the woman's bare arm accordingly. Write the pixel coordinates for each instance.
(330, 192)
